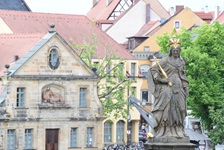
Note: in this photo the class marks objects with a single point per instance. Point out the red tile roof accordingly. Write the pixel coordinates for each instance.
(77, 27)
(16, 44)
(205, 16)
(101, 11)
(220, 18)
(146, 28)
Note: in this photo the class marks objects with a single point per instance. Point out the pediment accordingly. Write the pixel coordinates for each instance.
(51, 57)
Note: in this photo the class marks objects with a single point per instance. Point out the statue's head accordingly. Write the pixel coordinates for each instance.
(175, 48)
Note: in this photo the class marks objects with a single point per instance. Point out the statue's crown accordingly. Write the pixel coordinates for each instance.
(174, 41)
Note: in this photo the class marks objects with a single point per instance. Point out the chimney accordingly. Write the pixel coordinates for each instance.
(217, 11)
(94, 2)
(147, 13)
(171, 11)
(179, 8)
(206, 9)
(108, 2)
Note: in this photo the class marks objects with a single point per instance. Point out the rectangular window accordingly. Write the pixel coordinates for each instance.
(20, 99)
(107, 132)
(11, 140)
(145, 96)
(146, 48)
(89, 137)
(144, 70)
(177, 24)
(28, 138)
(133, 69)
(82, 97)
(121, 69)
(120, 131)
(73, 137)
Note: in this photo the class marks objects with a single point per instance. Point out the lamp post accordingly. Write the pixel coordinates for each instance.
(128, 120)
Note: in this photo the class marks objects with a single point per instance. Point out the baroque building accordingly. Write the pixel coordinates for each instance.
(49, 97)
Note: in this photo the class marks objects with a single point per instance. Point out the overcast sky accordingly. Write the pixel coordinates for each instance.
(82, 6)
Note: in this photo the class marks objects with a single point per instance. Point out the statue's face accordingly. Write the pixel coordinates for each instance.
(176, 52)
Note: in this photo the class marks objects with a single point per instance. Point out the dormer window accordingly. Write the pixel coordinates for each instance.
(54, 59)
(131, 44)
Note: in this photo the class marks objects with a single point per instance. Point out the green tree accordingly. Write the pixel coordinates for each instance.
(112, 82)
(216, 133)
(203, 49)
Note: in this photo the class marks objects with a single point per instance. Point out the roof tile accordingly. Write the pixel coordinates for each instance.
(77, 27)
(16, 44)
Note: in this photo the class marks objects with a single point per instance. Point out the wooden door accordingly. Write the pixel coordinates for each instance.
(51, 139)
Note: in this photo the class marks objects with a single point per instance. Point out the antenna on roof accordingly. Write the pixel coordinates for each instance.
(52, 25)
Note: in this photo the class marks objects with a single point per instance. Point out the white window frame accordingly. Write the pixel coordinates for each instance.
(11, 139)
(120, 131)
(73, 137)
(107, 131)
(89, 137)
(20, 97)
(146, 49)
(28, 139)
(149, 98)
(82, 97)
(175, 24)
(143, 69)
(133, 69)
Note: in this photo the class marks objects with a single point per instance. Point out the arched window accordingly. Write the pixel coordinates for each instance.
(107, 132)
(54, 59)
(120, 131)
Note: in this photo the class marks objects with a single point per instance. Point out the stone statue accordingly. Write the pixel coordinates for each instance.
(168, 83)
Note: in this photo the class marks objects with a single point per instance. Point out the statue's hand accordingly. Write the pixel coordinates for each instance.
(164, 80)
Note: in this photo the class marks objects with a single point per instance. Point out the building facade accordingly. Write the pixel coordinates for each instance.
(49, 100)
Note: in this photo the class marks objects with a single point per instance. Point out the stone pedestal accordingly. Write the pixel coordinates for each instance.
(169, 143)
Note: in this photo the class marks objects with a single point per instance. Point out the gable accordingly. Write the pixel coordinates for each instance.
(36, 62)
(124, 26)
(182, 17)
(141, 12)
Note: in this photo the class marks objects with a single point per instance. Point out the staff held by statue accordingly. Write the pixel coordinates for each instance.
(161, 69)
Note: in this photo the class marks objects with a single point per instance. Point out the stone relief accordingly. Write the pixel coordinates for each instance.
(53, 94)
